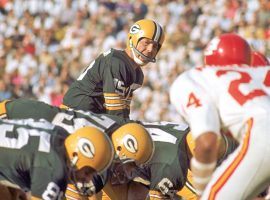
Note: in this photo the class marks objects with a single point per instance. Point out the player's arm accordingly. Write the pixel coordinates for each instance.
(193, 103)
(227, 145)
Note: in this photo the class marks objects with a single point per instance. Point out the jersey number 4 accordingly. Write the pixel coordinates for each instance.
(245, 78)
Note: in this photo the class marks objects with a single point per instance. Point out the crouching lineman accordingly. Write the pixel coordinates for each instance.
(166, 173)
(38, 159)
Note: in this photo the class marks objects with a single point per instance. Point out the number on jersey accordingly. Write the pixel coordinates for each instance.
(245, 78)
(23, 135)
(193, 101)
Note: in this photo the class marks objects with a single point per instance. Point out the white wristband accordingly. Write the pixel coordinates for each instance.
(202, 166)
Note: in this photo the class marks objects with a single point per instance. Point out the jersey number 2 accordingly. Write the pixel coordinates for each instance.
(244, 78)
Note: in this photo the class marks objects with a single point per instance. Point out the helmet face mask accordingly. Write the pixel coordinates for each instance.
(81, 180)
(227, 49)
(123, 172)
(144, 28)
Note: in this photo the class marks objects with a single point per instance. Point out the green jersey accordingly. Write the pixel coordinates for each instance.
(167, 170)
(106, 85)
(33, 157)
(70, 120)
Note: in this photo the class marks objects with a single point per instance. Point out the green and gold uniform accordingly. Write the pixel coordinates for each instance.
(68, 119)
(106, 85)
(167, 170)
(33, 157)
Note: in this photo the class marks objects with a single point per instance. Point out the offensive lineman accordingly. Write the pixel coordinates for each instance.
(38, 159)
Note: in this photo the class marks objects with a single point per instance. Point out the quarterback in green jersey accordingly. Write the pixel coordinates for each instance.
(107, 84)
(40, 159)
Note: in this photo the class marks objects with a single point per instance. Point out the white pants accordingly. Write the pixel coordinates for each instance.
(246, 172)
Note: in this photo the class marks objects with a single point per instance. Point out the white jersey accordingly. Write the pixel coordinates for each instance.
(236, 98)
(210, 98)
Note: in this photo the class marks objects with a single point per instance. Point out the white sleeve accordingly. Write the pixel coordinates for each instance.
(194, 104)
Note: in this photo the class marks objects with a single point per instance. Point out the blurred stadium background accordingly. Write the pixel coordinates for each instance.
(45, 44)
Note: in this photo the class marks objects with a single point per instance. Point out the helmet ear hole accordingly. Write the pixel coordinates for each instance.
(74, 154)
(119, 148)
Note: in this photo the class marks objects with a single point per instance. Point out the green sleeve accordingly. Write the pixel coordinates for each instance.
(26, 108)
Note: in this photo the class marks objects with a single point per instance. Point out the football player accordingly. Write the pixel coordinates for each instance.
(166, 173)
(40, 159)
(227, 93)
(107, 84)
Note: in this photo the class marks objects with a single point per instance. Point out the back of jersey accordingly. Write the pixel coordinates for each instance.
(69, 119)
(169, 164)
(32, 155)
(230, 95)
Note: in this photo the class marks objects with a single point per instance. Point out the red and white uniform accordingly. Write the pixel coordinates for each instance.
(236, 98)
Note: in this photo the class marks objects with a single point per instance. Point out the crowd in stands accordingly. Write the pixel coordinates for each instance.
(45, 44)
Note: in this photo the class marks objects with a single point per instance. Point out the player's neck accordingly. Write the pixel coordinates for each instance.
(129, 53)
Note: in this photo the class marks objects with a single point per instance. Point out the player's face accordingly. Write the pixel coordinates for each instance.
(84, 175)
(147, 47)
(81, 179)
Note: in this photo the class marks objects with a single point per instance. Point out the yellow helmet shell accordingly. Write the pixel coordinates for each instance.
(132, 141)
(91, 148)
(145, 28)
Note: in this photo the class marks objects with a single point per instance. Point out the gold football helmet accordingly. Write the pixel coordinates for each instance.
(132, 142)
(144, 28)
(88, 146)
